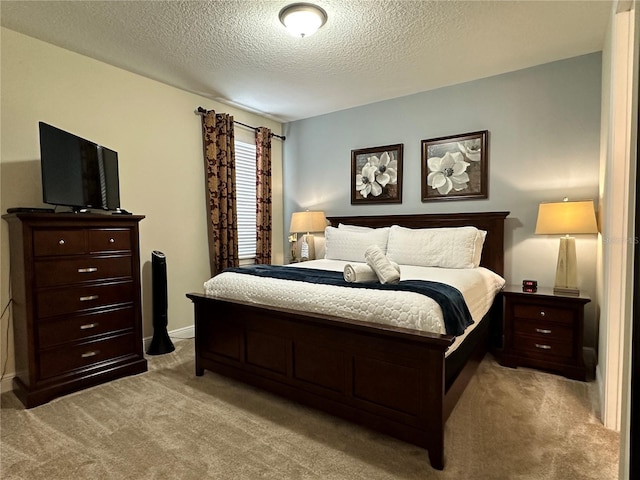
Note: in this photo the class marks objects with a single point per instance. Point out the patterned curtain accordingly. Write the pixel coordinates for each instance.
(220, 170)
(263, 195)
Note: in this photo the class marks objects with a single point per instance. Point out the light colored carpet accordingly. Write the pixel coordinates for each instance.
(169, 424)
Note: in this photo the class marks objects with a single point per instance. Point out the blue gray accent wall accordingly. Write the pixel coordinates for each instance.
(544, 144)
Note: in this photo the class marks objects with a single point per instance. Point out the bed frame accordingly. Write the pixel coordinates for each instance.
(393, 380)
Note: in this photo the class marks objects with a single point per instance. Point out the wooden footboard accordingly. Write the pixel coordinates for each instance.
(389, 379)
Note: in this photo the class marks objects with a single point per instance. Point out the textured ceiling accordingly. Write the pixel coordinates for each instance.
(238, 52)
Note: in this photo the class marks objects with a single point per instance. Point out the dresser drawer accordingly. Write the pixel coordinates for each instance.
(80, 327)
(50, 273)
(541, 347)
(109, 240)
(543, 330)
(56, 361)
(63, 301)
(59, 242)
(543, 312)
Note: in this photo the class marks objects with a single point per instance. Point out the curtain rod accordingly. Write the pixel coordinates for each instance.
(203, 111)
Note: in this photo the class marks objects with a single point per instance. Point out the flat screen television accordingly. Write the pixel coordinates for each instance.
(77, 173)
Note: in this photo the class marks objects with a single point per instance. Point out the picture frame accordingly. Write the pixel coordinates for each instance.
(455, 167)
(376, 174)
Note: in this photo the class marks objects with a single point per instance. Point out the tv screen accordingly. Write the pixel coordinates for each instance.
(76, 172)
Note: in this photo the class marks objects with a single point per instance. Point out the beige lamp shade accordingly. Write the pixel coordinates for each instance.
(307, 222)
(566, 218)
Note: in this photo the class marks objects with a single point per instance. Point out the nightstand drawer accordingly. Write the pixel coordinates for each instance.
(543, 312)
(543, 330)
(542, 347)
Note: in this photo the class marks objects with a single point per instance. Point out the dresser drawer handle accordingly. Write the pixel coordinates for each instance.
(88, 298)
(542, 314)
(111, 240)
(92, 353)
(61, 242)
(543, 347)
(87, 270)
(543, 330)
(88, 326)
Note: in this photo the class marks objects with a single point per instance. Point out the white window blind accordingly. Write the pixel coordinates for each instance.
(246, 199)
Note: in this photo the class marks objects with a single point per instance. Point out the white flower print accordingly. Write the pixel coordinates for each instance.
(471, 149)
(448, 173)
(366, 181)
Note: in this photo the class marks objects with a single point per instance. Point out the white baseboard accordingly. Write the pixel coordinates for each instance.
(177, 334)
(7, 383)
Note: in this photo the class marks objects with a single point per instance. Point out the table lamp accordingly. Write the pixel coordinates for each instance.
(306, 223)
(566, 218)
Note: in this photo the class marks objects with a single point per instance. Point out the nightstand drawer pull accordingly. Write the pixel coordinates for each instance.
(92, 353)
(88, 326)
(87, 270)
(543, 347)
(542, 314)
(89, 297)
(61, 241)
(543, 330)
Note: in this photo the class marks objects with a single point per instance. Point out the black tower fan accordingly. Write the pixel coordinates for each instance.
(160, 343)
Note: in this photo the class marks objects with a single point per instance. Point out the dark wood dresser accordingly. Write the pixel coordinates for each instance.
(75, 282)
(544, 330)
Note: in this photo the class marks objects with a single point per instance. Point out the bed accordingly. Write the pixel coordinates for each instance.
(400, 381)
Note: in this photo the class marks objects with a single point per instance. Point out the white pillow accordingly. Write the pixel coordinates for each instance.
(477, 254)
(459, 247)
(350, 245)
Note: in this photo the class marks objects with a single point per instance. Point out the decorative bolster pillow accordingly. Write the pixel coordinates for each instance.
(359, 273)
(384, 268)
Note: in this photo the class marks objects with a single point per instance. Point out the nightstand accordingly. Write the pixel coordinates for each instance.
(544, 330)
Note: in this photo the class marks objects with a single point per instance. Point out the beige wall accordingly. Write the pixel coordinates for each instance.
(153, 128)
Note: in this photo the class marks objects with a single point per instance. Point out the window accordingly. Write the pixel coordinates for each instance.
(246, 199)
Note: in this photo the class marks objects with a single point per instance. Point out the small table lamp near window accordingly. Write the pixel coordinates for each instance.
(566, 218)
(307, 222)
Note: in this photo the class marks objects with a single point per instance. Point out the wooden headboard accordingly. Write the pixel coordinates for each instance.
(491, 222)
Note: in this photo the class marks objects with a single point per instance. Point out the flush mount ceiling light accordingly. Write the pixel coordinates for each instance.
(302, 19)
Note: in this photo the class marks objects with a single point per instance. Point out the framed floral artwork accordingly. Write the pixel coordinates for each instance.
(376, 175)
(455, 167)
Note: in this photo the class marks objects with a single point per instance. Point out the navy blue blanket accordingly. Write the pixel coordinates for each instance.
(454, 309)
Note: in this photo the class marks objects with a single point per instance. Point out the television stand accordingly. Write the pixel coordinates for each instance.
(76, 281)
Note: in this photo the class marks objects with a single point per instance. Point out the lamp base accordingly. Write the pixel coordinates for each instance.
(573, 292)
(567, 268)
(308, 252)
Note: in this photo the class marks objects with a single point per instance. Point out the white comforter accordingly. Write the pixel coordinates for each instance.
(403, 309)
